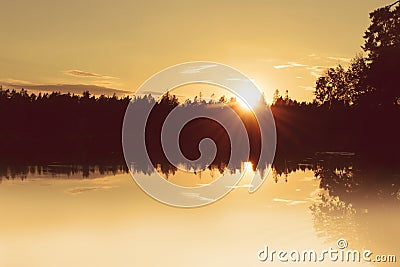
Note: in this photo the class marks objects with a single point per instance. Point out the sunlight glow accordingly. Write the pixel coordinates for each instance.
(247, 165)
(244, 105)
(250, 102)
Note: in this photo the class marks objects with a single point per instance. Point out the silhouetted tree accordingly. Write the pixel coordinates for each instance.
(384, 30)
(356, 79)
(382, 43)
(373, 81)
(383, 79)
(344, 86)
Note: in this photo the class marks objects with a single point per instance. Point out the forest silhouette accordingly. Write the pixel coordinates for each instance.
(85, 129)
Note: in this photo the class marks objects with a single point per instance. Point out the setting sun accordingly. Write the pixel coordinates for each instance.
(249, 100)
(248, 105)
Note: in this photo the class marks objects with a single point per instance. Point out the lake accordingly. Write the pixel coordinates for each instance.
(97, 216)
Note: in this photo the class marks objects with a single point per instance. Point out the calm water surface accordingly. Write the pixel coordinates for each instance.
(104, 219)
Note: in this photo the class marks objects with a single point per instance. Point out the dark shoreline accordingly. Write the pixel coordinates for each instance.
(70, 129)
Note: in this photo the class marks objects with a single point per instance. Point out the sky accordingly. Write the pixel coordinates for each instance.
(117, 45)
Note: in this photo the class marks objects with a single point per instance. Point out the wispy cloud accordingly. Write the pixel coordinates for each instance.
(198, 69)
(63, 88)
(289, 201)
(317, 68)
(241, 80)
(85, 74)
(295, 202)
(295, 64)
(343, 59)
(282, 66)
(329, 58)
(197, 196)
(81, 190)
(290, 65)
(281, 200)
(240, 186)
(16, 81)
(316, 71)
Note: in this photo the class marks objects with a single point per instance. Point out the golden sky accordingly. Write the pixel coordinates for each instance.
(119, 44)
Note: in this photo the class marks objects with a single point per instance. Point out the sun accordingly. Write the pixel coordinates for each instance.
(244, 105)
(249, 101)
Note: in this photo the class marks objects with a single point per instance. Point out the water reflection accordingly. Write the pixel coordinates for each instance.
(342, 175)
(59, 171)
(306, 203)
